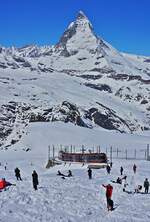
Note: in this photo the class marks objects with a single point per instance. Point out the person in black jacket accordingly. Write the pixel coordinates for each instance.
(108, 169)
(146, 185)
(121, 170)
(70, 173)
(90, 173)
(35, 179)
(17, 173)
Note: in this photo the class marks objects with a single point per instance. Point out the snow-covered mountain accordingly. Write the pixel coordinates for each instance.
(82, 80)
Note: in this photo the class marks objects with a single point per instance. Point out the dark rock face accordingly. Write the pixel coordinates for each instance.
(12, 114)
(144, 101)
(107, 118)
(66, 112)
(100, 87)
(147, 60)
(61, 45)
(127, 77)
(90, 77)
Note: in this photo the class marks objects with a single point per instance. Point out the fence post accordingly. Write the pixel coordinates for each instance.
(99, 149)
(145, 154)
(71, 148)
(111, 154)
(53, 152)
(135, 153)
(49, 152)
(117, 152)
(147, 151)
(126, 154)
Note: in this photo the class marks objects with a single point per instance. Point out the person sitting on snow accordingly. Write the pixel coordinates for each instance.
(138, 189)
(4, 184)
(119, 180)
(59, 173)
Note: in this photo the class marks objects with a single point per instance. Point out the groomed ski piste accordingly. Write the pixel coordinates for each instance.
(77, 198)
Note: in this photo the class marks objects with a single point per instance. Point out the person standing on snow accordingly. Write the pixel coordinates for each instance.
(90, 173)
(121, 170)
(70, 173)
(17, 173)
(109, 190)
(146, 185)
(134, 168)
(108, 169)
(35, 179)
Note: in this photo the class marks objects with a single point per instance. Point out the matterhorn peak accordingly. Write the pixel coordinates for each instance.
(81, 15)
(82, 19)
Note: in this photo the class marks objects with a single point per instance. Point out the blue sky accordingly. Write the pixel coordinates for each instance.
(123, 23)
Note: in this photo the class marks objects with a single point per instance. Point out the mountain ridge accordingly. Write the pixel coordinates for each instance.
(82, 80)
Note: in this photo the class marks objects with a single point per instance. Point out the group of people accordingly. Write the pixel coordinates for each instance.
(109, 187)
(4, 183)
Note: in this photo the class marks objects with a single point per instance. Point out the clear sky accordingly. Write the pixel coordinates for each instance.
(123, 23)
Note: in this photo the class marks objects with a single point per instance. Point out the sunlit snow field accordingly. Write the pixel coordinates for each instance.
(77, 198)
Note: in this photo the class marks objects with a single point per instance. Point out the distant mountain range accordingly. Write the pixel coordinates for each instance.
(82, 79)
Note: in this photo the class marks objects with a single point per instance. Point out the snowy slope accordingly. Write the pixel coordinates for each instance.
(77, 198)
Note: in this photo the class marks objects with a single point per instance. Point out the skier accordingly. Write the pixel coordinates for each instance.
(146, 185)
(90, 173)
(17, 173)
(109, 190)
(35, 179)
(121, 170)
(134, 168)
(108, 169)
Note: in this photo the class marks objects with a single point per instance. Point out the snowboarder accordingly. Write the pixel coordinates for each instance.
(121, 170)
(108, 169)
(146, 185)
(90, 173)
(35, 179)
(17, 173)
(134, 168)
(69, 173)
(109, 190)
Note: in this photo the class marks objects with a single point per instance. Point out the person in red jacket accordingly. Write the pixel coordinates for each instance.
(109, 190)
(4, 184)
